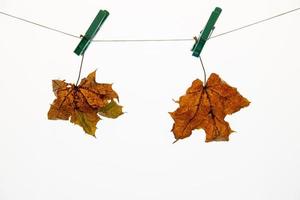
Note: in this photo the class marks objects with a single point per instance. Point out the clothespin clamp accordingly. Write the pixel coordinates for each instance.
(91, 32)
(206, 32)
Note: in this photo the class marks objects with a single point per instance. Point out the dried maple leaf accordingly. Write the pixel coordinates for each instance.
(83, 103)
(205, 107)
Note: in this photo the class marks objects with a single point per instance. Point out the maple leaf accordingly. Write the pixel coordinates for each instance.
(84, 103)
(205, 107)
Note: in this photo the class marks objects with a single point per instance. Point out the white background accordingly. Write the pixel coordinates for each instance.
(133, 156)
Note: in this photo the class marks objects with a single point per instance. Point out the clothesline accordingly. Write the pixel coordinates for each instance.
(151, 39)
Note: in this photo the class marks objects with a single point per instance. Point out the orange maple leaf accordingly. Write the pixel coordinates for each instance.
(83, 103)
(205, 107)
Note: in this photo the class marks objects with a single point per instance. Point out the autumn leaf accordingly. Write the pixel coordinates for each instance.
(83, 103)
(205, 107)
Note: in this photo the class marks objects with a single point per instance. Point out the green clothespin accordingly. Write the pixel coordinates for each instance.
(91, 32)
(205, 34)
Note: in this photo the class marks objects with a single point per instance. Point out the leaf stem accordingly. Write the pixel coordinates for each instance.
(79, 74)
(204, 72)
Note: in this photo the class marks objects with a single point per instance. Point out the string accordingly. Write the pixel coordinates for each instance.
(40, 25)
(80, 68)
(254, 23)
(204, 72)
(152, 40)
(147, 40)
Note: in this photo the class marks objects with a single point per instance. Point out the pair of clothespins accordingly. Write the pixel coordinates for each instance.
(103, 14)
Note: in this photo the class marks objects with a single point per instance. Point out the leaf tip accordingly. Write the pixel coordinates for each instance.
(175, 141)
(175, 101)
